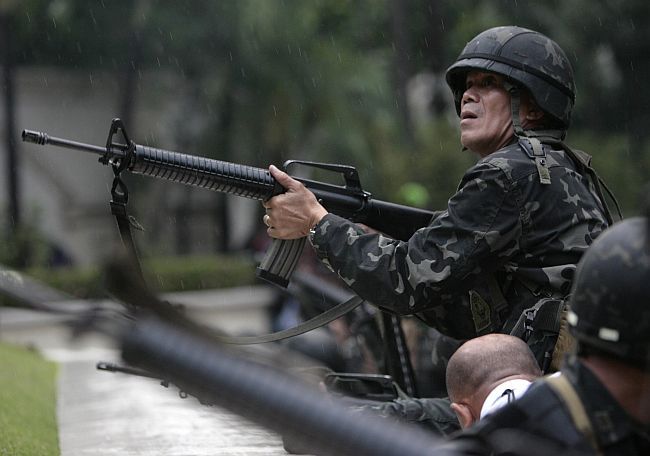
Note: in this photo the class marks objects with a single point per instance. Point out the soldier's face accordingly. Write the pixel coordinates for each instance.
(485, 117)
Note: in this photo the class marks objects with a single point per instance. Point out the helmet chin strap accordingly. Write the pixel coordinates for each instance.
(529, 139)
(546, 136)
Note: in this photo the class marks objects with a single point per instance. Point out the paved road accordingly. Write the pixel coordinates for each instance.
(104, 414)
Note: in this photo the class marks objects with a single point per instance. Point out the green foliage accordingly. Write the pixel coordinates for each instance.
(199, 273)
(621, 168)
(436, 162)
(27, 394)
(317, 80)
(24, 245)
(162, 274)
(80, 282)
(71, 33)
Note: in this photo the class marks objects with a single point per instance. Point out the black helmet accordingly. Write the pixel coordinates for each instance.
(526, 57)
(610, 302)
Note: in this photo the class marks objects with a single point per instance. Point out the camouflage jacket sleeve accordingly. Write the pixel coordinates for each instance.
(475, 234)
(432, 414)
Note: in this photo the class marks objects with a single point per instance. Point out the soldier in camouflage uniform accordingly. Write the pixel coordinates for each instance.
(599, 403)
(521, 219)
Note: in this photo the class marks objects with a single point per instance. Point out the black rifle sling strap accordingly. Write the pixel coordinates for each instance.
(119, 199)
(319, 320)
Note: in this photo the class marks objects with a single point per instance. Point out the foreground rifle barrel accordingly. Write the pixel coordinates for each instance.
(265, 395)
(349, 201)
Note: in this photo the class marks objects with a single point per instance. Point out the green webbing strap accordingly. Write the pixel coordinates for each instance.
(565, 391)
(540, 161)
(319, 320)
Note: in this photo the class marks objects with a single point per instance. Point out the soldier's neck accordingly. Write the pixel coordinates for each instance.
(629, 385)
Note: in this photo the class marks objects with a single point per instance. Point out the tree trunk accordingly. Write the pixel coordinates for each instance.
(135, 53)
(13, 182)
(402, 64)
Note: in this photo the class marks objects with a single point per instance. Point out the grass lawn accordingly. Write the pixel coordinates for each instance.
(27, 403)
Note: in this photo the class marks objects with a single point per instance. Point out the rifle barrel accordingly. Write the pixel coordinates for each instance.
(40, 138)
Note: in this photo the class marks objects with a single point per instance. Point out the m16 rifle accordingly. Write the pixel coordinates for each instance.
(349, 201)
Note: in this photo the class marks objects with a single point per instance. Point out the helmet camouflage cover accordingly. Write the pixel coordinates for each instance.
(524, 56)
(610, 301)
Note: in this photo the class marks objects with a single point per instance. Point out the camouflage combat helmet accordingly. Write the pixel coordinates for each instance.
(610, 303)
(525, 57)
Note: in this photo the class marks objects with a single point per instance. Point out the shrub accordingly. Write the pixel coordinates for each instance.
(163, 274)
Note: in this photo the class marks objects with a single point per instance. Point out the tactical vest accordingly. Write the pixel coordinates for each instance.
(543, 325)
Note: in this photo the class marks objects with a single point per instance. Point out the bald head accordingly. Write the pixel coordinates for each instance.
(481, 363)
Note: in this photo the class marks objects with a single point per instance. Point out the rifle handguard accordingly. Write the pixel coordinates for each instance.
(215, 175)
(282, 256)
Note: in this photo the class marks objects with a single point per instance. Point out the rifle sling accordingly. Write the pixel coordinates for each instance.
(319, 320)
(118, 202)
(118, 209)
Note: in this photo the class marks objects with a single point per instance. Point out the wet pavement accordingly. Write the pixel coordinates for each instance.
(104, 413)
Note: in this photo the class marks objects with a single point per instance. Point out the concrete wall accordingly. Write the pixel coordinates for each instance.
(68, 191)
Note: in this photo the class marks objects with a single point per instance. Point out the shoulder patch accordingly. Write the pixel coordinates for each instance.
(480, 312)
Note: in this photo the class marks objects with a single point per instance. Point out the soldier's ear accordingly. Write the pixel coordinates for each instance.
(534, 113)
(464, 414)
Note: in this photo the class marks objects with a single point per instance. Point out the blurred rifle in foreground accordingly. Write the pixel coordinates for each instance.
(264, 395)
(158, 341)
(349, 200)
(168, 345)
(163, 343)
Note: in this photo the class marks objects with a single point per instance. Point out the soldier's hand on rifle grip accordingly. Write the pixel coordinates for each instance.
(290, 215)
